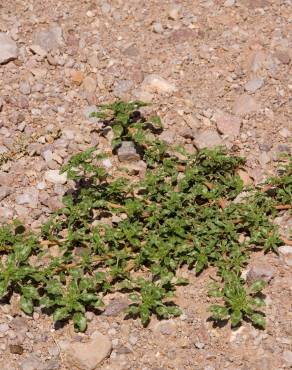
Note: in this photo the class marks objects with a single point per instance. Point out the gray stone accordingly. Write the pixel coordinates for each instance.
(8, 48)
(207, 139)
(88, 355)
(88, 111)
(174, 12)
(116, 306)
(228, 125)
(49, 39)
(253, 85)
(287, 356)
(31, 363)
(122, 87)
(5, 213)
(260, 271)
(4, 327)
(245, 104)
(29, 197)
(4, 192)
(157, 27)
(168, 137)
(24, 88)
(285, 133)
(127, 152)
(155, 83)
(285, 253)
(55, 177)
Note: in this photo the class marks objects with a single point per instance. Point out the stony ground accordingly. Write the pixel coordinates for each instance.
(218, 72)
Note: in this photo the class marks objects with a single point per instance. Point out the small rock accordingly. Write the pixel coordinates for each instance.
(253, 85)
(122, 87)
(229, 3)
(36, 49)
(246, 179)
(285, 253)
(174, 12)
(8, 48)
(88, 111)
(154, 83)
(127, 152)
(24, 88)
(287, 356)
(285, 133)
(245, 104)
(260, 271)
(4, 328)
(116, 306)
(283, 56)
(55, 177)
(49, 39)
(168, 137)
(16, 349)
(4, 192)
(88, 355)
(31, 363)
(5, 213)
(30, 197)
(77, 77)
(89, 84)
(207, 139)
(157, 27)
(165, 327)
(229, 125)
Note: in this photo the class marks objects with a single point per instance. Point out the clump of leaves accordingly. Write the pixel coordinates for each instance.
(113, 235)
(127, 122)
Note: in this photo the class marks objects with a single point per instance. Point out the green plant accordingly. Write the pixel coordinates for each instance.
(114, 235)
(127, 122)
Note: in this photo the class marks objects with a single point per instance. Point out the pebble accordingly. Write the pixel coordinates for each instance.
(246, 179)
(229, 125)
(24, 88)
(287, 356)
(254, 85)
(157, 27)
(88, 355)
(207, 139)
(174, 12)
(4, 328)
(49, 39)
(36, 49)
(229, 3)
(31, 363)
(8, 48)
(116, 306)
(30, 197)
(285, 133)
(285, 253)
(4, 192)
(260, 271)
(55, 177)
(155, 83)
(89, 84)
(245, 104)
(127, 152)
(283, 56)
(88, 111)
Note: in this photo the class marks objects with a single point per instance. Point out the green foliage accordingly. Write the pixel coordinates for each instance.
(127, 122)
(113, 235)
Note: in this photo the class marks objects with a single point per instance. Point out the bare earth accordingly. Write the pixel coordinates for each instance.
(218, 72)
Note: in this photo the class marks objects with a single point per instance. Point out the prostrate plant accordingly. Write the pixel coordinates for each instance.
(116, 236)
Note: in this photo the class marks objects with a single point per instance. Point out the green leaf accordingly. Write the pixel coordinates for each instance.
(257, 302)
(60, 314)
(30, 292)
(26, 305)
(80, 322)
(3, 288)
(236, 317)
(219, 312)
(258, 320)
(258, 286)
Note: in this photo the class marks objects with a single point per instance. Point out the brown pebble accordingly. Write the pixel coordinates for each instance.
(16, 349)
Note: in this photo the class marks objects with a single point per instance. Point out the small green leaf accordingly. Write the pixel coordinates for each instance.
(26, 305)
(219, 312)
(258, 286)
(60, 314)
(258, 320)
(257, 302)
(236, 317)
(30, 292)
(3, 288)
(80, 322)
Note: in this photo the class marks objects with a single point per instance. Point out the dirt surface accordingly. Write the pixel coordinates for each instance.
(218, 72)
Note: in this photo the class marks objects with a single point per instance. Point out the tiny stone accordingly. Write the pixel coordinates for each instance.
(16, 349)
(285, 253)
(8, 48)
(24, 88)
(116, 306)
(157, 27)
(287, 356)
(127, 152)
(285, 133)
(4, 192)
(254, 84)
(154, 83)
(207, 139)
(229, 125)
(229, 3)
(260, 271)
(55, 177)
(245, 104)
(174, 11)
(4, 328)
